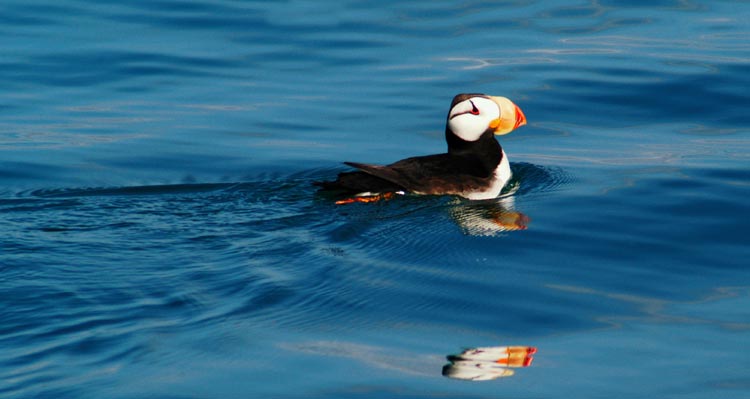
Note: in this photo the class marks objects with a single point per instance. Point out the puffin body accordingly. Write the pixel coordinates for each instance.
(475, 166)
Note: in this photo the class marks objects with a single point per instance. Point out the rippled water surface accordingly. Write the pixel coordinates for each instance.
(161, 238)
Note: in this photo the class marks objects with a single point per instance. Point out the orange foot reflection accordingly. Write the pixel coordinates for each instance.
(367, 198)
(488, 218)
(489, 363)
(511, 220)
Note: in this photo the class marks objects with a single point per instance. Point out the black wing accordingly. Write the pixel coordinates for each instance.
(352, 183)
(432, 174)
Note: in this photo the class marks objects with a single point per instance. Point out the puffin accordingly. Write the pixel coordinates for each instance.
(475, 166)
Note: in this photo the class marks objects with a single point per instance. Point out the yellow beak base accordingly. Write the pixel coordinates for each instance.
(511, 117)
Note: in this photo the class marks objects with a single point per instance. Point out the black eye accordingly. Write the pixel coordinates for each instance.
(474, 109)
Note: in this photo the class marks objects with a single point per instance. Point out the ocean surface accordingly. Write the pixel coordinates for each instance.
(160, 237)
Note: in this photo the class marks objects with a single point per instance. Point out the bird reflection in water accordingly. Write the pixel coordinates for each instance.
(489, 363)
(476, 218)
(488, 217)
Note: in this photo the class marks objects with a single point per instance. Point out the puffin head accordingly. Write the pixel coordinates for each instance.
(472, 115)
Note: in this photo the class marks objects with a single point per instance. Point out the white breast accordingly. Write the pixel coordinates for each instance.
(500, 177)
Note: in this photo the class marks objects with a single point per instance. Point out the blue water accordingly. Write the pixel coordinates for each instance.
(160, 236)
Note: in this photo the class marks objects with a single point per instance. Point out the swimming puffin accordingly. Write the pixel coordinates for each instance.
(475, 166)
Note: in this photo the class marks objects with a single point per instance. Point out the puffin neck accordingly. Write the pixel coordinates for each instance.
(481, 156)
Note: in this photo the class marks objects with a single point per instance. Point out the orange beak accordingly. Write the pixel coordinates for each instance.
(520, 118)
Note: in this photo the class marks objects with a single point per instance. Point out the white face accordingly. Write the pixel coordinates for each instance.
(470, 118)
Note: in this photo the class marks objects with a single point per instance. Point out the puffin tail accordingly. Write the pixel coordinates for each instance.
(353, 183)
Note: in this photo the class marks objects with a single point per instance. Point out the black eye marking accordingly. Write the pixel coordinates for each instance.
(474, 109)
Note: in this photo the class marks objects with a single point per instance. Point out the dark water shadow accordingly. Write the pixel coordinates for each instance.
(531, 178)
(162, 189)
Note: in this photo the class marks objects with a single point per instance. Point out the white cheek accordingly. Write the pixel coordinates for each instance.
(469, 127)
